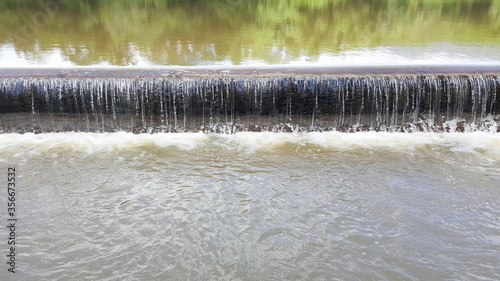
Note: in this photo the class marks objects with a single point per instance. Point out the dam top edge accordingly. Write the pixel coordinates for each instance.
(257, 71)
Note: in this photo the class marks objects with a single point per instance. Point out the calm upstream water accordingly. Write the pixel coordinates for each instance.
(185, 140)
(243, 32)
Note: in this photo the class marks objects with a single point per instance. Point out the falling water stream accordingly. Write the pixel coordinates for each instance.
(406, 103)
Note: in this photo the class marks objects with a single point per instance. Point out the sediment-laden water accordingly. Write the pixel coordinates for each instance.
(409, 194)
(262, 140)
(255, 206)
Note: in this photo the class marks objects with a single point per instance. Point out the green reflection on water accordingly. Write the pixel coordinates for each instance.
(192, 32)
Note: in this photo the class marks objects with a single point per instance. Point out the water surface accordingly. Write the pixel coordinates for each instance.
(251, 206)
(237, 32)
(256, 206)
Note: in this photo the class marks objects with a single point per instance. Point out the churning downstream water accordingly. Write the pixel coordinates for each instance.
(256, 206)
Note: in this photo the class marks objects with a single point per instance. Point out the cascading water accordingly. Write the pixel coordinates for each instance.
(211, 140)
(223, 104)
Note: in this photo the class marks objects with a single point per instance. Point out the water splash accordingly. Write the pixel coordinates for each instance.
(407, 103)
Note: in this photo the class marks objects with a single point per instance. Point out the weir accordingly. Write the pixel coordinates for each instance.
(438, 99)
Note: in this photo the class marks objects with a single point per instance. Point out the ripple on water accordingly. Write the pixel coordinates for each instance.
(355, 207)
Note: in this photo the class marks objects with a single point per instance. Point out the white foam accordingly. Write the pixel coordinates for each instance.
(89, 143)
(94, 143)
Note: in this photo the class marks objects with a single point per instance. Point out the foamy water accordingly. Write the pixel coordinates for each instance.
(91, 143)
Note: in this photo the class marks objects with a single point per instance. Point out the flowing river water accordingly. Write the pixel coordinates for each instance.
(257, 206)
(250, 140)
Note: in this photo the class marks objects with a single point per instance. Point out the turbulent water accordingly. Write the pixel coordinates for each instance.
(228, 104)
(262, 140)
(255, 206)
(297, 198)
